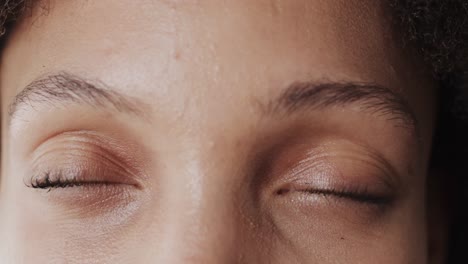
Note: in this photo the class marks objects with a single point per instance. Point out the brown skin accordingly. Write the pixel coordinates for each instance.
(201, 169)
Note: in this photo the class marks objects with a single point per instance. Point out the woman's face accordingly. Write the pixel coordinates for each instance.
(212, 132)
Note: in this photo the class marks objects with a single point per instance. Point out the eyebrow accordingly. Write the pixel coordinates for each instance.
(67, 88)
(299, 96)
(370, 98)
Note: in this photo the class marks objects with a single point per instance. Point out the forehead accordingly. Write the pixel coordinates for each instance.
(175, 52)
(307, 39)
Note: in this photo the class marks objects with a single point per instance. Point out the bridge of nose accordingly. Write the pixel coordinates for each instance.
(202, 205)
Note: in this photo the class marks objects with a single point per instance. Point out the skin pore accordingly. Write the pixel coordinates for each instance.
(213, 132)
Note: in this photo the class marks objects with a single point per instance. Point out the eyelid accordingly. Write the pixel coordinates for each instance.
(332, 167)
(94, 200)
(76, 177)
(325, 154)
(96, 157)
(328, 167)
(315, 182)
(87, 157)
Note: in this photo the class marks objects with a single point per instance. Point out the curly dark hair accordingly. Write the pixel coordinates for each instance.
(438, 31)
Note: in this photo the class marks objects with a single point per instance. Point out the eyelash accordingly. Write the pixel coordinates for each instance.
(47, 182)
(359, 195)
(50, 182)
(356, 195)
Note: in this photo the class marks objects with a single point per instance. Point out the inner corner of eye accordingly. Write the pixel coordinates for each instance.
(283, 190)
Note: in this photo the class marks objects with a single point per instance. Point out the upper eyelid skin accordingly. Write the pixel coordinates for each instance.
(88, 145)
(389, 177)
(334, 175)
(301, 152)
